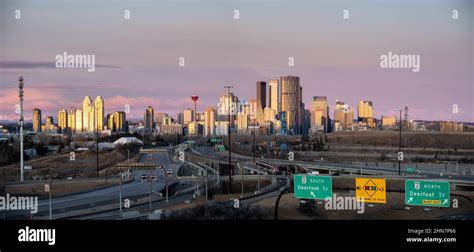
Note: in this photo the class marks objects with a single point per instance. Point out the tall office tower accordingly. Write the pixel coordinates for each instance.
(79, 121)
(167, 120)
(110, 122)
(149, 119)
(274, 95)
(269, 114)
(159, 116)
(188, 116)
(319, 114)
(226, 102)
(306, 121)
(253, 109)
(120, 121)
(210, 122)
(37, 120)
(261, 101)
(291, 102)
(180, 118)
(99, 113)
(301, 111)
(49, 124)
(242, 122)
(343, 116)
(62, 121)
(71, 119)
(88, 115)
(366, 113)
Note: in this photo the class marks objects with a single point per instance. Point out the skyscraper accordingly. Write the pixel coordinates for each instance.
(88, 115)
(343, 116)
(159, 117)
(261, 101)
(188, 116)
(319, 114)
(37, 120)
(62, 121)
(210, 122)
(99, 113)
(366, 113)
(71, 119)
(291, 102)
(49, 124)
(110, 122)
(120, 121)
(274, 95)
(226, 102)
(79, 121)
(149, 119)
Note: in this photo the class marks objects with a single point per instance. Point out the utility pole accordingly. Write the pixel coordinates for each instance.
(97, 143)
(230, 141)
(254, 141)
(50, 195)
(400, 144)
(22, 175)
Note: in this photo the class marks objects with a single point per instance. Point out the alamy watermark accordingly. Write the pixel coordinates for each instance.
(408, 61)
(66, 60)
(8, 203)
(344, 203)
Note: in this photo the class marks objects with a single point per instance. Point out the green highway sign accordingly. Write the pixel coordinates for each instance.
(427, 193)
(411, 170)
(312, 186)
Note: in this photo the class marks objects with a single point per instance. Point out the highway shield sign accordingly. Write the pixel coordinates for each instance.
(312, 187)
(427, 193)
(371, 190)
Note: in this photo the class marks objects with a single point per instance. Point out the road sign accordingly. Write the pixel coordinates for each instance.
(27, 167)
(427, 193)
(371, 190)
(312, 187)
(46, 188)
(411, 170)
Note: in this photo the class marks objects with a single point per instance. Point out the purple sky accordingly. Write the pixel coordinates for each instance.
(137, 59)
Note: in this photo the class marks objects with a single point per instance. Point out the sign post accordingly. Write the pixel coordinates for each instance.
(371, 190)
(427, 193)
(312, 187)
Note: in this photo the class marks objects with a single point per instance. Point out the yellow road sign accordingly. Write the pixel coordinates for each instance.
(371, 190)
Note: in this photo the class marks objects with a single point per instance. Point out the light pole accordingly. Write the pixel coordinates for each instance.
(229, 100)
(50, 196)
(21, 128)
(165, 175)
(50, 183)
(150, 179)
(206, 184)
(120, 194)
(400, 144)
(241, 181)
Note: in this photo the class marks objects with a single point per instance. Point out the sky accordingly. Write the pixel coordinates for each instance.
(137, 58)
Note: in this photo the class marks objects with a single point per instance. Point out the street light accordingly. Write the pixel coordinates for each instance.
(230, 141)
(165, 175)
(150, 180)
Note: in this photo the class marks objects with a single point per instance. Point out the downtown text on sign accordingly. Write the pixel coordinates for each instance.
(427, 193)
(312, 186)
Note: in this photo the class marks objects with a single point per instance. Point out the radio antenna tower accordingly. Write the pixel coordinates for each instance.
(20, 86)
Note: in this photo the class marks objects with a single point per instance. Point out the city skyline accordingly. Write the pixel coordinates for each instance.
(340, 61)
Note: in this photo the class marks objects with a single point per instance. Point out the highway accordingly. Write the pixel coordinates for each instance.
(430, 172)
(110, 195)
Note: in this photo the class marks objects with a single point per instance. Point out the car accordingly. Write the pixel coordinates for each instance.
(313, 173)
(150, 156)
